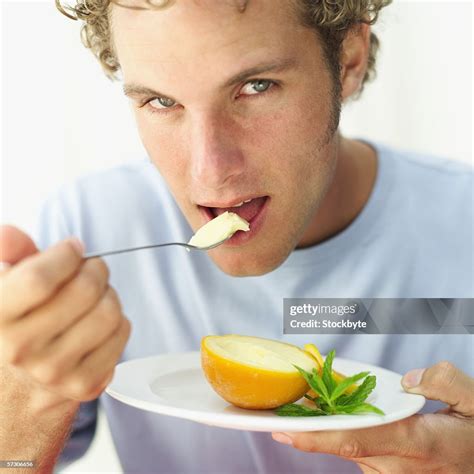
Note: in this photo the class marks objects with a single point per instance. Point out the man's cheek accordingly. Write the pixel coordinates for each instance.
(263, 131)
(164, 149)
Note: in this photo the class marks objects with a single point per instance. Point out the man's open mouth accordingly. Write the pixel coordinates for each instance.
(252, 209)
(247, 209)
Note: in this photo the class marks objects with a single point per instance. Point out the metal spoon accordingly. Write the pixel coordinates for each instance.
(132, 249)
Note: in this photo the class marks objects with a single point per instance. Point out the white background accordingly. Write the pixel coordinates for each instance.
(62, 118)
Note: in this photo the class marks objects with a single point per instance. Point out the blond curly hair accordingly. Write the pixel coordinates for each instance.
(331, 19)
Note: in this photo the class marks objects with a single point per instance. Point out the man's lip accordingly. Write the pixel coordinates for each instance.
(231, 203)
(208, 213)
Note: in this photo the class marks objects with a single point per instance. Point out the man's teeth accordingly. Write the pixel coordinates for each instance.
(241, 203)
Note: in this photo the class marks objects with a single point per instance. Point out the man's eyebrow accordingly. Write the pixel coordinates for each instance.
(132, 90)
(275, 66)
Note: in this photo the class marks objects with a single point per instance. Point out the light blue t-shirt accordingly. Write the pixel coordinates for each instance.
(414, 238)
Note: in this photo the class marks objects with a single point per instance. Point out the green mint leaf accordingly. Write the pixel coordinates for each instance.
(327, 372)
(359, 408)
(315, 382)
(292, 409)
(341, 400)
(319, 386)
(346, 383)
(367, 407)
(304, 374)
(332, 398)
(329, 409)
(362, 392)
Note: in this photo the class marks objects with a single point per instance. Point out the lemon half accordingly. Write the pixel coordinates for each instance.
(253, 372)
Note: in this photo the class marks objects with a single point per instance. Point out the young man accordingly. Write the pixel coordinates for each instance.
(236, 101)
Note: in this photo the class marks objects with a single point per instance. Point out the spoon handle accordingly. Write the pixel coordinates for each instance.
(132, 249)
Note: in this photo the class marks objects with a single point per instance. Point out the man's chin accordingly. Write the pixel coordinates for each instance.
(246, 264)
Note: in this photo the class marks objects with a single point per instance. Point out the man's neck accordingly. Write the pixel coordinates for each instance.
(350, 190)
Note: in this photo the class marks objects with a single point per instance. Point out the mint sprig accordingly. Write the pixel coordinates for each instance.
(332, 399)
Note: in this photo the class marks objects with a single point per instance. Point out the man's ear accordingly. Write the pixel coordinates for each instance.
(354, 56)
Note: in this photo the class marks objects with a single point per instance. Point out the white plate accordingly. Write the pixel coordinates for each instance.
(174, 385)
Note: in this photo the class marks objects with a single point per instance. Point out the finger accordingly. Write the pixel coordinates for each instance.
(15, 245)
(443, 382)
(23, 339)
(67, 350)
(64, 392)
(366, 469)
(33, 280)
(394, 465)
(87, 380)
(400, 439)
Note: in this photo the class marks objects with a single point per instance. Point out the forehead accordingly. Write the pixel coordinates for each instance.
(189, 35)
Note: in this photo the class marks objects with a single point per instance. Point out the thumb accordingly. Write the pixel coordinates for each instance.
(15, 245)
(443, 382)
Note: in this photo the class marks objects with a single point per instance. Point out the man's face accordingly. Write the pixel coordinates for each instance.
(233, 106)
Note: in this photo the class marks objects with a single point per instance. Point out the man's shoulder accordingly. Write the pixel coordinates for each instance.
(431, 201)
(438, 183)
(136, 181)
(429, 168)
(130, 173)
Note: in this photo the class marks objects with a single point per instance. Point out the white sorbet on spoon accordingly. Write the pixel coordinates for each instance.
(220, 228)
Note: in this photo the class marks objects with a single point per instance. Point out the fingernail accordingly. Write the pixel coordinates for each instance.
(413, 378)
(77, 244)
(282, 438)
(4, 266)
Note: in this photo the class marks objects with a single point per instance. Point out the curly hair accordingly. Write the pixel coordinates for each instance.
(331, 20)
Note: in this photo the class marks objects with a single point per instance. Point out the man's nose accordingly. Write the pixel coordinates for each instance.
(216, 158)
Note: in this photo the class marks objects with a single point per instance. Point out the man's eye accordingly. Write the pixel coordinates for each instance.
(161, 103)
(256, 87)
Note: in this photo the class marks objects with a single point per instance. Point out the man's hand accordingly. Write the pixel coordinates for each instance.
(61, 325)
(441, 442)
